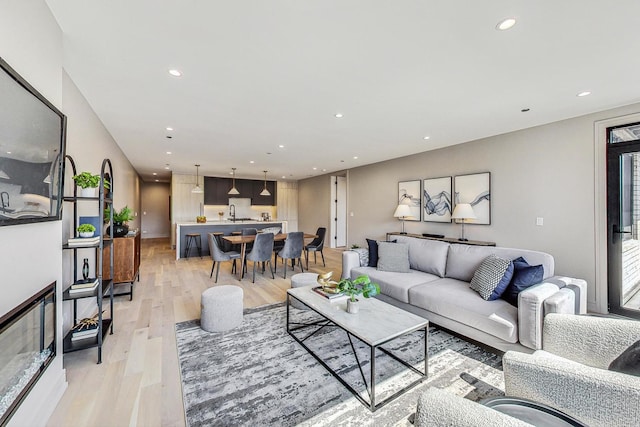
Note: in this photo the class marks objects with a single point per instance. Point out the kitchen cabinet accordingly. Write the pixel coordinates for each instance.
(216, 191)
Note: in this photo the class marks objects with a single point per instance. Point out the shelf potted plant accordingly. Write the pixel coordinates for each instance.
(120, 219)
(86, 230)
(88, 182)
(352, 288)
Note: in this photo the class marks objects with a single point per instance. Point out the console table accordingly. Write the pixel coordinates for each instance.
(443, 239)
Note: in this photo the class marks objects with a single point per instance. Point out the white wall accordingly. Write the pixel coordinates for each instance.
(31, 258)
(546, 171)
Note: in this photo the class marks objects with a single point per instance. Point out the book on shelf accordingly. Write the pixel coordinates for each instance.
(84, 287)
(81, 241)
(84, 335)
(328, 295)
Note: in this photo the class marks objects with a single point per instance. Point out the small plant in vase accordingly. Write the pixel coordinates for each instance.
(352, 288)
(88, 182)
(86, 230)
(200, 219)
(120, 219)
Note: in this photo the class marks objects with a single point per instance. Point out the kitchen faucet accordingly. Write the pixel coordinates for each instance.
(5, 205)
(232, 212)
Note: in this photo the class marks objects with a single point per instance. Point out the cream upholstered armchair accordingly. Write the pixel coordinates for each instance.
(570, 372)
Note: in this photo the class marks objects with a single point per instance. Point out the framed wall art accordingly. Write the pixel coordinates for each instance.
(436, 199)
(475, 189)
(409, 194)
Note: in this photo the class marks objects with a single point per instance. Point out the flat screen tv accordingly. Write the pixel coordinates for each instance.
(32, 149)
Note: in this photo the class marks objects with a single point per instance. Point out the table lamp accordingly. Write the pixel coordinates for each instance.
(403, 212)
(463, 212)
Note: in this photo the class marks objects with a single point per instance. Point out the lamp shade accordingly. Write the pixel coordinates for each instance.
(463, 211)
(402, 211)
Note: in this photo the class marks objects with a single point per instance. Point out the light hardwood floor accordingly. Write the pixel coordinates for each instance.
(138, 382)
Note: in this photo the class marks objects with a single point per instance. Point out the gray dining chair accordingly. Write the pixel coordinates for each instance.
(316, 246)
(218, 256)
(292, 250)
(261, 252)
(249, 232)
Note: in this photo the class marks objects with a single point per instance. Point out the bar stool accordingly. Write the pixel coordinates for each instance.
(192, 239)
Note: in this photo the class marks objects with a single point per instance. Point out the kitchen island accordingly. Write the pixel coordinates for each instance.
(225, 227)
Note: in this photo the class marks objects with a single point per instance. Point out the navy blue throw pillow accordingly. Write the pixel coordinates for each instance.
(524, 276)
(373, 252)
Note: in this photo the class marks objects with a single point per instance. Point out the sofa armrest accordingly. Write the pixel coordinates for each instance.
(442, 408)
(594, 396)
(591, 340)
(350, 259)
(577, 286)
(531, 313)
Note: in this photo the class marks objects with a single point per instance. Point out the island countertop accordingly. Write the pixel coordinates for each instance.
(226, 227)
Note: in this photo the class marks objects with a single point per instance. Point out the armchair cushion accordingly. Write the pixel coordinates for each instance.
(629, 361)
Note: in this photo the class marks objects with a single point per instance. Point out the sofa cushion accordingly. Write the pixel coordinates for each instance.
(524, 276)
(455, 300)
(464, 260)
(393, 257)
(492, 277)
(395, 285)
(373, 252)
(426, 255)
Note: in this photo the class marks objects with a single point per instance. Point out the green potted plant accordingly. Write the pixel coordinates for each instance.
(352, 288)
(120, 219)
(86, 230)
(88, 182)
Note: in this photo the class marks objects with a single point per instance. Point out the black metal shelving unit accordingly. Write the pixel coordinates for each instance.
(105, 287)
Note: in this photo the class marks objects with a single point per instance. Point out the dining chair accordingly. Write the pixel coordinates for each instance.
(292, 250)
(261, 252)
(249, 232)
(218, 256)
(316, 245)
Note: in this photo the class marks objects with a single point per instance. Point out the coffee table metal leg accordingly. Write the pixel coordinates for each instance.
(373, 378)
(426, 352)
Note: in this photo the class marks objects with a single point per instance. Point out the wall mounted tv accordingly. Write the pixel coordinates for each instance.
(32, 149)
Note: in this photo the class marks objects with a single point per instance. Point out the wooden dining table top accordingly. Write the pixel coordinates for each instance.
(251, 238)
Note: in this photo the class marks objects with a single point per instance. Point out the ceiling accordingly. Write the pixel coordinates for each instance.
(260, 74)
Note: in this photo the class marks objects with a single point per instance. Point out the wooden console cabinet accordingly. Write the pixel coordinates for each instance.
(126, 262)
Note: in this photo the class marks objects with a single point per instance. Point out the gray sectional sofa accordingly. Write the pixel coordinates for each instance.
(437, 287)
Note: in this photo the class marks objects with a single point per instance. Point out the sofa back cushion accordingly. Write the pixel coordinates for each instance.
(426, 255)
(464, 260)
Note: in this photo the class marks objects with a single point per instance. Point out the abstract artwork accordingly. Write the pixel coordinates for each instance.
(409, 194)
(475, 189)
(436, 199)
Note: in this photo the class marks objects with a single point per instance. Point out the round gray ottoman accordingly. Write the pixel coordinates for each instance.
(221, 308)
(299, 280)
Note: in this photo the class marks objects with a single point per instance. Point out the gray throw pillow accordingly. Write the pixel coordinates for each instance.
(393, 257)
(492, 274)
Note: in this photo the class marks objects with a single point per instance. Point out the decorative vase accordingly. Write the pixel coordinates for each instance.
(86, 234)
(119, 230)
(352, 306)
(88, 192)
(85, 269)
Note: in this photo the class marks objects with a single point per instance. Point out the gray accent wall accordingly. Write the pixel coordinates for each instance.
(546, 171)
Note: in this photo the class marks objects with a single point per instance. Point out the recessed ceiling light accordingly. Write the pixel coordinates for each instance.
(280, 146)
(315, 169)
(584, 93)
(426, 137)
(175, 73)
(505, 24)
(157, 180)
(8, 152)
(268, 152)
(155, 173)
(167, 167)
(324, 170)
(251, 161)
(169, 129)
(339, 115)
(355, 157)
(284, 177)
(168, 152)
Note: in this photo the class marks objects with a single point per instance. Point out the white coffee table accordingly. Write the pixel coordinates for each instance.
(390, 323)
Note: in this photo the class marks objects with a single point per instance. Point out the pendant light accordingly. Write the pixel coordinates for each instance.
(265, 192)
(234, 190)
(197, 188)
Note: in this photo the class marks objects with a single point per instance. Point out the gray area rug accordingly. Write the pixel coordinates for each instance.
(257, 374)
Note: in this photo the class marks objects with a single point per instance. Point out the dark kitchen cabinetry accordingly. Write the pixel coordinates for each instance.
(216, 191)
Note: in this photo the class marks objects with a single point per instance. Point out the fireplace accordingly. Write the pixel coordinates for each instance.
(27, 347)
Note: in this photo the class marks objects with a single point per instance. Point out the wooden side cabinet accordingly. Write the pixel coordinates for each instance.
(126, 262)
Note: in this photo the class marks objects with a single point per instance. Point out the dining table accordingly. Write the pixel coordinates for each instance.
(244, 240)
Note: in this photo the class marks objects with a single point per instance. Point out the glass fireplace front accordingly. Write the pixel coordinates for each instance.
(27, 347)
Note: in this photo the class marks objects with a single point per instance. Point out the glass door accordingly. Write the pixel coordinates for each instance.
(623, 216)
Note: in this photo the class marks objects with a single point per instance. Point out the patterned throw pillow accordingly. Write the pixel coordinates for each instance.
(363, 254)
(492, 277)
